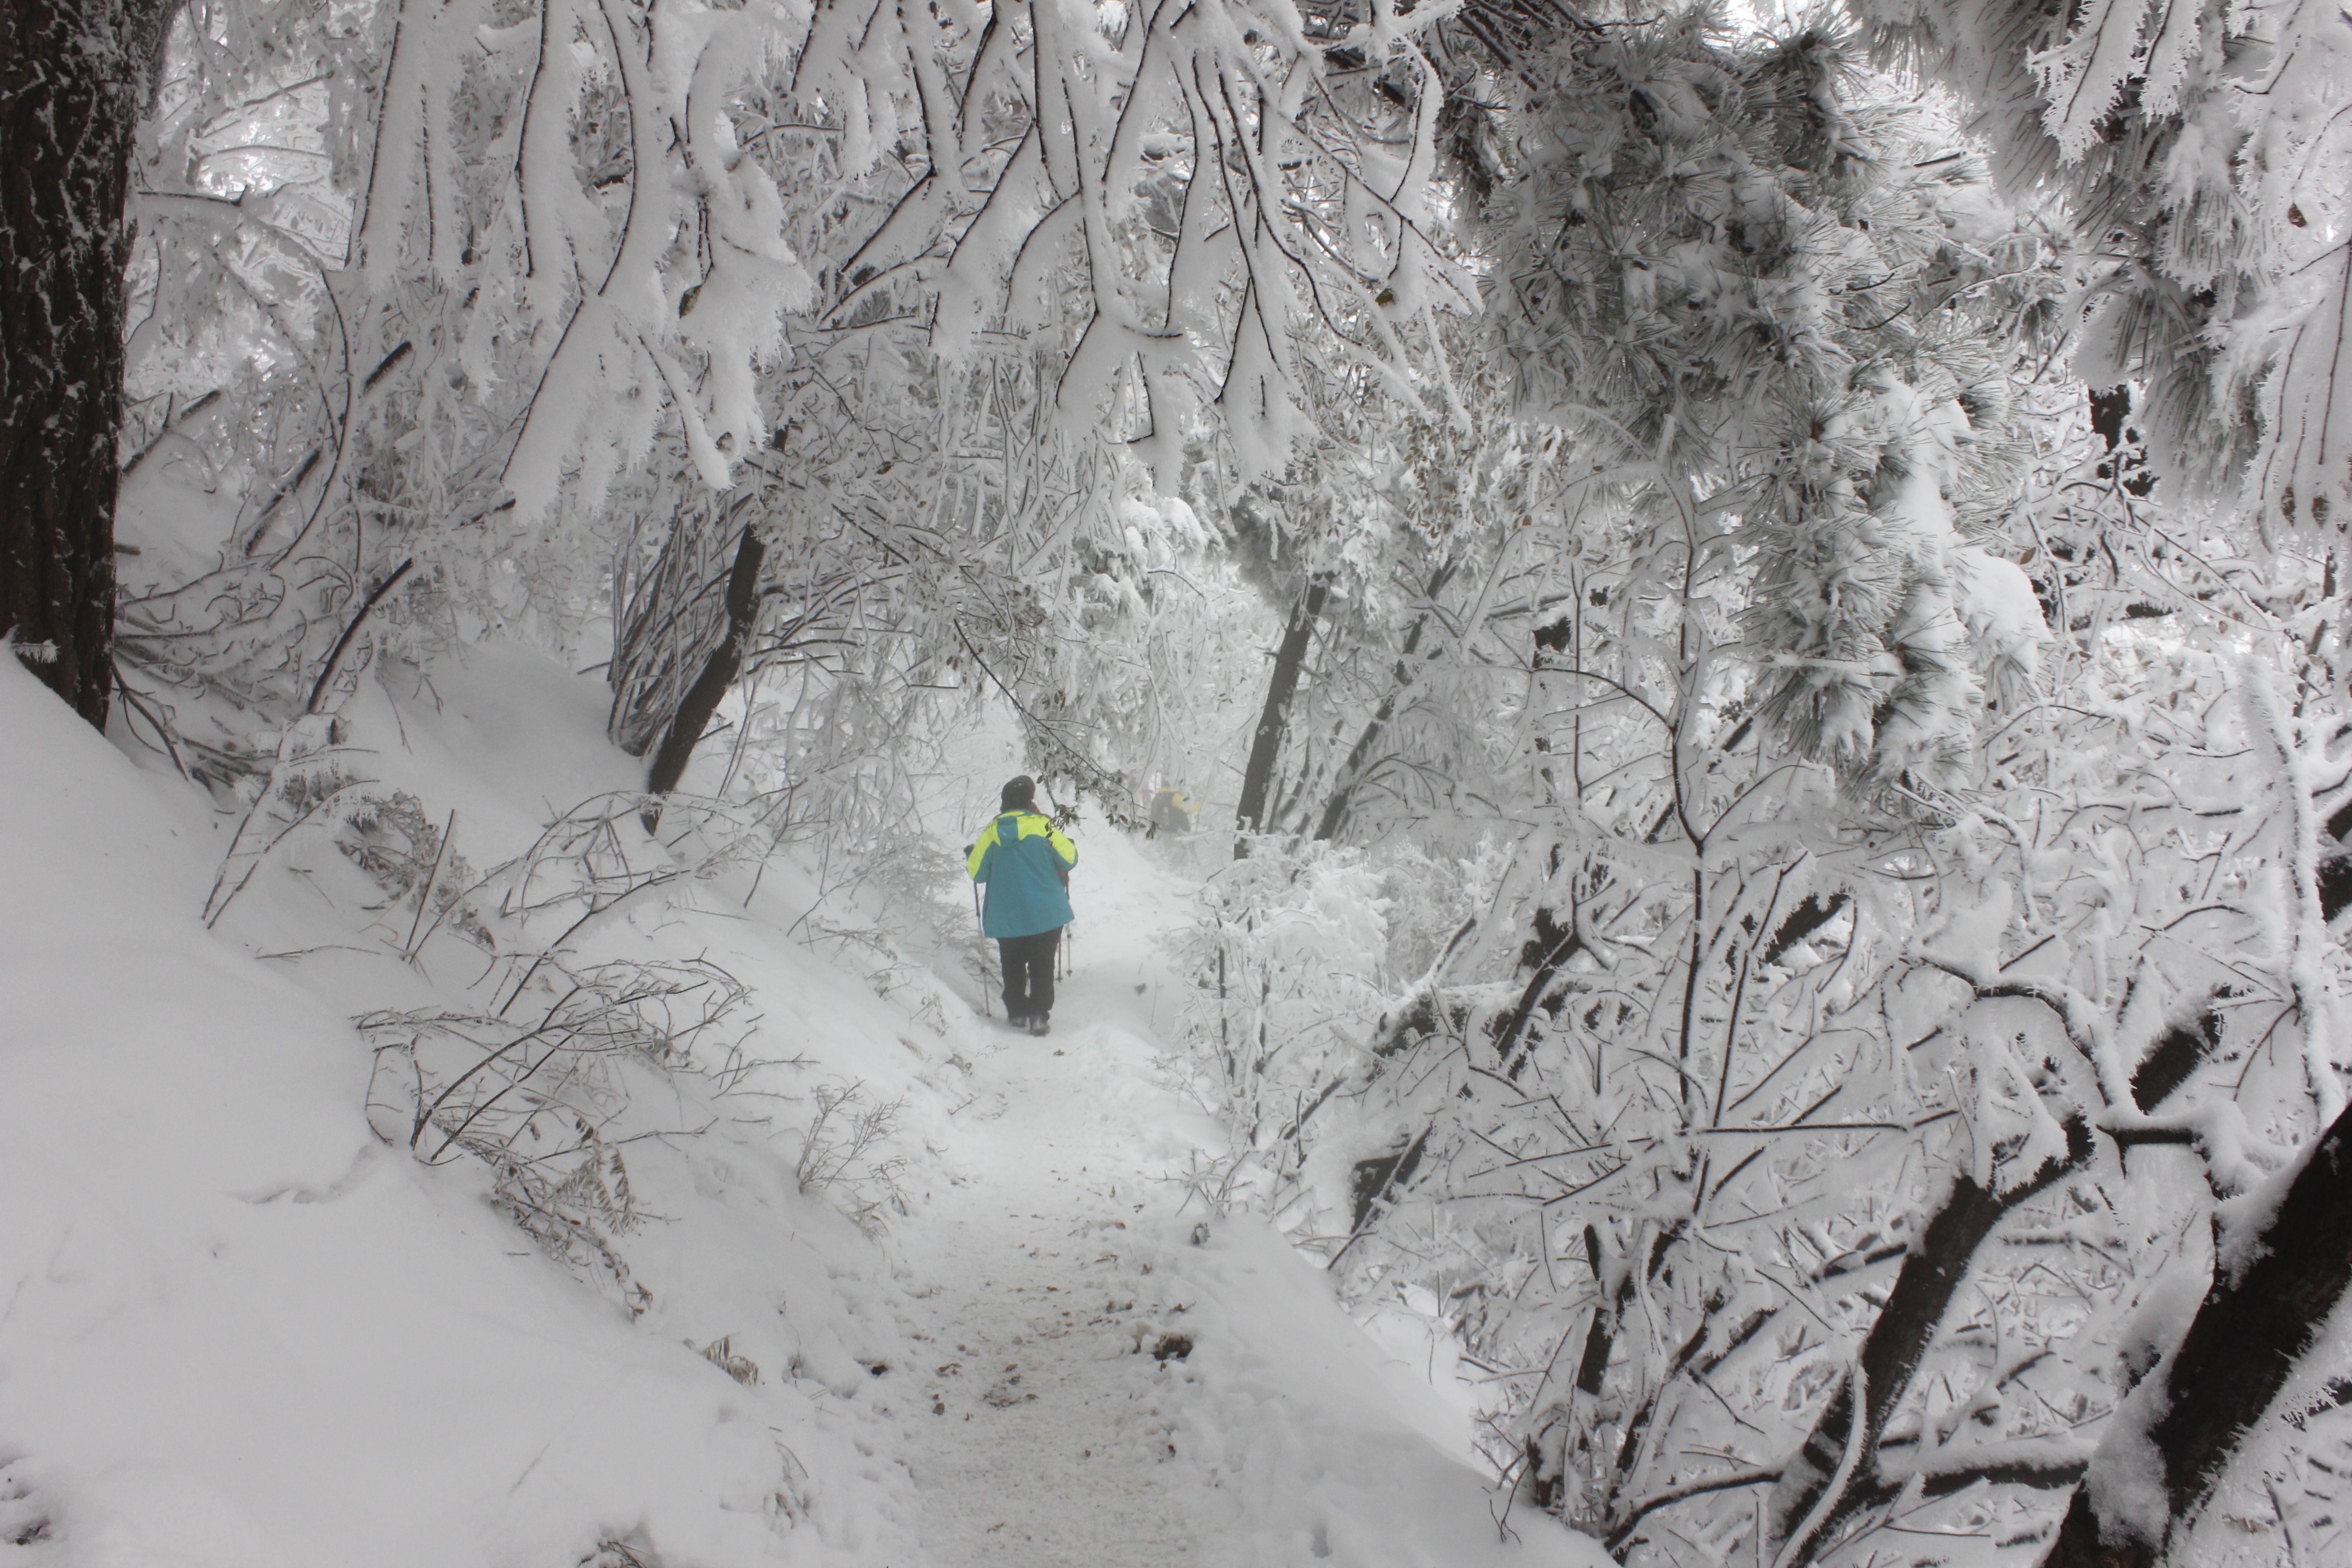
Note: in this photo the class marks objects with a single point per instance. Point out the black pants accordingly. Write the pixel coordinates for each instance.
(1029, 972)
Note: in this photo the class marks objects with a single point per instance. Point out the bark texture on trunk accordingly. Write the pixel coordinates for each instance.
(2246, 1341)
(73, 81)
(1544, 955)
(719, 671)
(1274, 719)
(1938, 1263)
(1934, 1268)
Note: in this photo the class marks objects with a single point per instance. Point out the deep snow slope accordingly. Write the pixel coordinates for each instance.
(237, 1328)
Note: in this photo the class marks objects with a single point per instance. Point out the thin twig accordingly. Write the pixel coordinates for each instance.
(335, 655)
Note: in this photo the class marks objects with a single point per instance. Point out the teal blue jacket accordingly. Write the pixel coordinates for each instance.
(1023, 857)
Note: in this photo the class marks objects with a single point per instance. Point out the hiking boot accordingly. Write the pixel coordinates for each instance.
(1038, 1025)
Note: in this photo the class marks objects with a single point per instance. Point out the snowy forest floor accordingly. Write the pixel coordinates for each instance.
(1116, 1381)
(236, 1327)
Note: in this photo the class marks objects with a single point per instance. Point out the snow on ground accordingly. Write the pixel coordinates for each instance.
(238, 1327)
(1061, 1264)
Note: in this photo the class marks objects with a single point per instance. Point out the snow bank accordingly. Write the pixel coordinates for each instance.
(237, 1328)
(1324, 1443)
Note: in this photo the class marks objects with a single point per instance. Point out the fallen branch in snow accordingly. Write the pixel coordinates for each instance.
(530, 1102)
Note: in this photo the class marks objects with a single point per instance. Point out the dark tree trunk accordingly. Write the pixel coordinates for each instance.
(2336, 866)
(2247, 1338)
(1938, 1264)
(1351, 773)
(1544, 955)
(1803, 920)
(1935, 1267)
(2111, 410)
(1274, 719)
(718, 672)
(74, 78)
(1376, 1178)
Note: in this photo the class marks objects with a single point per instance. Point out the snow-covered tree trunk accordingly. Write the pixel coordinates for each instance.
(718, 673)
(1821, 1488)
(2273, 1292)
(73, 78)
(1274, 719)
(1360, 762)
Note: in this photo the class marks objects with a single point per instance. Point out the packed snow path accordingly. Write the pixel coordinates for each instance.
(1041, 1254)
(1107, 1384)
(1050, 1427)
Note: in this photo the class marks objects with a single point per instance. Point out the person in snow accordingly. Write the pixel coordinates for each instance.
(1025, 862)
(1170, 813)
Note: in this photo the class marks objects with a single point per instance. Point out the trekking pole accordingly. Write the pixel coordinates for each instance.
(979, 924)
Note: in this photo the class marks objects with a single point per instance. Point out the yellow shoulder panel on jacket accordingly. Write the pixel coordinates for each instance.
(980, 849)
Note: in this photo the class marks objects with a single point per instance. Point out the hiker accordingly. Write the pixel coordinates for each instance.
(1026, 861)
(1170, 813)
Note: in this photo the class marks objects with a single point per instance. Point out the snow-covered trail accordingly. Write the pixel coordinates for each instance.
(236, 1328)
(1058, 1257)
(1049, 1432)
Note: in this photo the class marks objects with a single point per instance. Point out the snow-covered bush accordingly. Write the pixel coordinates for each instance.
(845, 1153)
(1913, 932)
(1287, 954)
(1806, 1167)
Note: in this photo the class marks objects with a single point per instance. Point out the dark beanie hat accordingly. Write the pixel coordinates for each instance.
(1022, 791)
